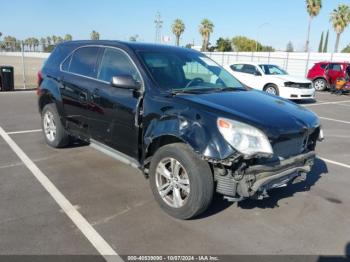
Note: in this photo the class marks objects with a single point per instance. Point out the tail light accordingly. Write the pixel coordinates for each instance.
(40, 79)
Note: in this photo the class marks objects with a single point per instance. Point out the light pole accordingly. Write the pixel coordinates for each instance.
(257, 39)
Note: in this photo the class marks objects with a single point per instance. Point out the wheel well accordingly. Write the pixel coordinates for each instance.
(317, 78)
(161, 141)
(269, 84)
(44, 100)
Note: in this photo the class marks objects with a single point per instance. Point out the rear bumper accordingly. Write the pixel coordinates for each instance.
(257, 180)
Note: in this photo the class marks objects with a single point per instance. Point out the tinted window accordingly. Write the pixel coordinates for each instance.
(335, 67)
(272, 70)
(323, 66)
(115, 63)
(66, 64)
(84, 61)
(249, 69)
(237, 68)
(184, 70)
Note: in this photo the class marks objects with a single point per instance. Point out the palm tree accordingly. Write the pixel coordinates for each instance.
(68, 37)
(205, 29)
(43, 43)
(95, 35)
(35, 43)
(54, 39)
(178, 28)
(340, 19)
(313, 7)
(48, 40)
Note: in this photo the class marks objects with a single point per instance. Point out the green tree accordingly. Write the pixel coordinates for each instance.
(43, 42)
(325, 46)
(346, 49)
(313, 7)
(320, 47)
(95, 35)
(178, 28)
(133, 38)
(68, 37)
(290, 47)
(59, 39)
(223, 45)
(10, 43)
(0, 35)
(205, 29)
(340, 19)
(244, 44)
(54, 40)
(48, 40)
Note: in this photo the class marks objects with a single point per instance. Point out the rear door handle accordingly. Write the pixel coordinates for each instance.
(96, 94)
(82, 97)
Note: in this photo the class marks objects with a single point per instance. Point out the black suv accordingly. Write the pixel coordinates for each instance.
(188, 124)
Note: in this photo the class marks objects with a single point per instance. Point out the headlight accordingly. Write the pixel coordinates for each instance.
(320, 135)
(291, 84)
(244, 138)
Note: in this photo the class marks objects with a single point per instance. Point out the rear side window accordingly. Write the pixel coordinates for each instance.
(249, 69)
(335, 67)
(116, 63)
(237, 68)
(83, 61)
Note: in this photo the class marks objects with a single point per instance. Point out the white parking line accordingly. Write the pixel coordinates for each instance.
(82, 224)
(327, 103)
(334, 162)
(24, 132)
(334, 120)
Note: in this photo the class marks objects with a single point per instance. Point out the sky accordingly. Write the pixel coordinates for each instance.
(272, 22)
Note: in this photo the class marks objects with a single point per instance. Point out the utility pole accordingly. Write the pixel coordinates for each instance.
(159, 24)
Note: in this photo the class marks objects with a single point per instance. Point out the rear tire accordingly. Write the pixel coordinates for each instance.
(54, 132)
(320, 84)
(172, 165)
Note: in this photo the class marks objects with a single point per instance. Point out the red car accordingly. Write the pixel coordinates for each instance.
(325, 74)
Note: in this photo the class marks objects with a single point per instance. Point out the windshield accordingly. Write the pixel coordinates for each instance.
(183, 71)
(272, 70)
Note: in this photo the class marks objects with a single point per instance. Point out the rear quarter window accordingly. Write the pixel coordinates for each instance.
(84, 61)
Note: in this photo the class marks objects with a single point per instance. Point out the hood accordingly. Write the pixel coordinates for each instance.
(289, 78)
(271, 114)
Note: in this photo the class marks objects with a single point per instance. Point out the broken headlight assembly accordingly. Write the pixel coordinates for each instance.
(246, 139)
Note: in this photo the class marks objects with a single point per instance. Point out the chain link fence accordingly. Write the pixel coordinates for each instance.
(297, 64)
(26, 60)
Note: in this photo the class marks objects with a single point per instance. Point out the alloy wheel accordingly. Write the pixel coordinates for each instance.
(172, 182)
(50, 128)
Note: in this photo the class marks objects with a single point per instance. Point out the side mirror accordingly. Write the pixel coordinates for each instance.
(257, 73)
(125, 81)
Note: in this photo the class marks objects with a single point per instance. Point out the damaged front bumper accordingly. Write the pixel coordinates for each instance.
(256, 180)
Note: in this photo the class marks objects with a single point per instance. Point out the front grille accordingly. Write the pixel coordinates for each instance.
(296, 144)
(298, 85)
(290, 147)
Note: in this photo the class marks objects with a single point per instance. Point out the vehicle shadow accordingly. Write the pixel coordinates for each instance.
(218, 204)
(319, 168)
(344, 258)
(305, 102)
(75, 143)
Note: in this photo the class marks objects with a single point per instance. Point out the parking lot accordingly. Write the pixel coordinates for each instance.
(78, 201)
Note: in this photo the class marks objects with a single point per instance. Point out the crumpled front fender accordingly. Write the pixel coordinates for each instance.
(200, 133)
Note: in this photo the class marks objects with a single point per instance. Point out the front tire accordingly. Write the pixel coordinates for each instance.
(54, 132)
(272, 89)
(181, 182)
(320, 84)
